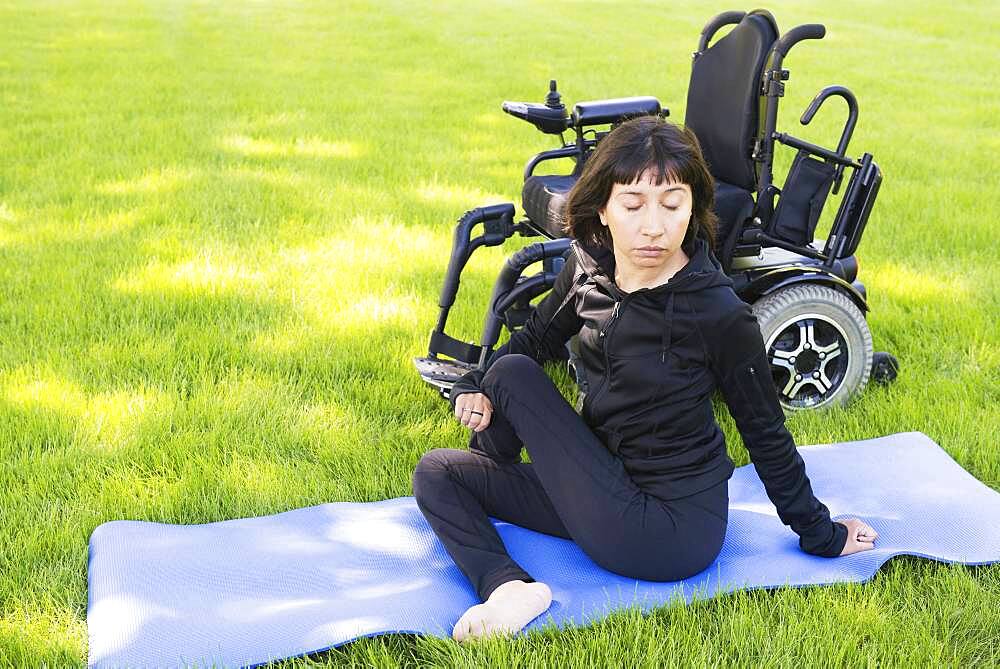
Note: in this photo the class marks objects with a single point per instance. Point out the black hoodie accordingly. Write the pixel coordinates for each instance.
(651, 360)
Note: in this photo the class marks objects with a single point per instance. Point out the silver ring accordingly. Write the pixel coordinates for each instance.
(478, 413)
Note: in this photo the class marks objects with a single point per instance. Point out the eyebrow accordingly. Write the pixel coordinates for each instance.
(672, 189)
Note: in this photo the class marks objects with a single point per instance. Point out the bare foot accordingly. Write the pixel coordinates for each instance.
(509, 608)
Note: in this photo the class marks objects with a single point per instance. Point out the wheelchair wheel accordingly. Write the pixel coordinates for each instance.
(818, 343)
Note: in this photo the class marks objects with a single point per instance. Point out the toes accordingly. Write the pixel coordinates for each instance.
(459, 632)
(469, 624)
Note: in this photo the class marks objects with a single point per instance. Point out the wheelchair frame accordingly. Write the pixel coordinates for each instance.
(510, 302)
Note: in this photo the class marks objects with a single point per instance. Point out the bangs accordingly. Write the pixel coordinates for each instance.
(663, 164)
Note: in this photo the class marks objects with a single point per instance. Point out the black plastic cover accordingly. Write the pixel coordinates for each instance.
(856, 207)
(724, 96)
(550, 120)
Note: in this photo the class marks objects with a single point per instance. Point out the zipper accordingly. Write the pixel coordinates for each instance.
(607, 326)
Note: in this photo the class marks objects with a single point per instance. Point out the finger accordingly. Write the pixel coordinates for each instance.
(485, 422)
(472, 415)
(865, 529)
(470, 418)
(466, 414)
(484, 413)
(460, 403)
(487, 411)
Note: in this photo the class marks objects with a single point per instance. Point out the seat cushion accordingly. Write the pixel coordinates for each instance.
(544, 199)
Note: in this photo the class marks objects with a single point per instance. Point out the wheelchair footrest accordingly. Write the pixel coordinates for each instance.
(441, 373)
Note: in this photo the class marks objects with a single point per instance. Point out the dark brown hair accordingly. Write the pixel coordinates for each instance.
(646, 143)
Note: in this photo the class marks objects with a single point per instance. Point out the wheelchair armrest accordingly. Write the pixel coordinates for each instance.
(600, 112)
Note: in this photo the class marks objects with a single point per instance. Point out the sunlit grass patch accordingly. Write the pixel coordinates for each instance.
(204, 274)
(459, 196)
(158, 181)
(310, 147)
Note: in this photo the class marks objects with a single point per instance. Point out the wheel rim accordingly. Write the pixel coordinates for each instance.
(809, 359)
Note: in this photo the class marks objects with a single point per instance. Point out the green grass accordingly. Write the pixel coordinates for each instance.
(223, 227)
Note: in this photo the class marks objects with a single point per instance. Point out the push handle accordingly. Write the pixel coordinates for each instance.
(798, 34)
(852, 121)
(712, 27)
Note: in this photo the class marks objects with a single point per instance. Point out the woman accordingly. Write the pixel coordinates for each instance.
(639, 479)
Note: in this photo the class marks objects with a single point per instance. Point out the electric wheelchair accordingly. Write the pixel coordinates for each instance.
(804, 291)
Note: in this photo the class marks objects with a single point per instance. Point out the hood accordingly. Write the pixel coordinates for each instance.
(702, 271)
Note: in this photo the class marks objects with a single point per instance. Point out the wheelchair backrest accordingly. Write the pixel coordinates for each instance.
(724, 98)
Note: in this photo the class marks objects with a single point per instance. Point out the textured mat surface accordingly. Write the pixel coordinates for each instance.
(242, 592)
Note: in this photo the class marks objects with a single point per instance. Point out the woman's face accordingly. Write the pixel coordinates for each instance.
(647, 222)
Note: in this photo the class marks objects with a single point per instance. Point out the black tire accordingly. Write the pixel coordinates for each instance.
(818, 344)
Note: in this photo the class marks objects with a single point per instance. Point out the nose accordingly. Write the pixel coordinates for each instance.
(654, 223)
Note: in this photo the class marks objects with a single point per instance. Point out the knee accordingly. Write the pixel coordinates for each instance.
(513, 368)
(432, 466)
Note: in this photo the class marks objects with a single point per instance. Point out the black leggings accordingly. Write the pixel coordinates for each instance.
(573, 488)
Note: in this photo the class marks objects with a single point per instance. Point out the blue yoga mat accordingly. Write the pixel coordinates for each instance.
(244, 592)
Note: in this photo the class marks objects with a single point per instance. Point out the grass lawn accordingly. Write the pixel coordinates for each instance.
(223, 227)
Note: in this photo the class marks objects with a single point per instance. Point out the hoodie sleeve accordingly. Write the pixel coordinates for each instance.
(550, 325)
(743, 374)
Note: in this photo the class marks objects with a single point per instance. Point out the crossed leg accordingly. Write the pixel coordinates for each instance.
(573, 488)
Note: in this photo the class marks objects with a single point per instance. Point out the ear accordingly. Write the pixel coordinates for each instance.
(600, 215)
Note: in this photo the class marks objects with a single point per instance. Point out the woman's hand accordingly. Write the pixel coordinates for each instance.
(474, 410)
(860, 536)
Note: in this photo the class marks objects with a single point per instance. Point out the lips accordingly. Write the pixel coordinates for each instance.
(650, 251)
